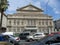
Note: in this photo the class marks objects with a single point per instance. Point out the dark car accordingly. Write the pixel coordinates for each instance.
(52, 39)
(23, 36)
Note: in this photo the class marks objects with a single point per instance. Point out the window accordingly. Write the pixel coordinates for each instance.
(14, 29)
(9, 29)
(14, 22)
(22, 28)
(38, 34)
(42, 22)
(39, 29)
(34, 22)
(50, 23)
(26, 33)
(18, 22)
(31, 22)
(46, 23)
(43, 29)
(18, 29)
(27, 22)
(9, 22)
(39, 23)
(22, 22)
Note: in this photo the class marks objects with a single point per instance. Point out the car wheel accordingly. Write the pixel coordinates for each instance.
(11, 42)
(30, 40)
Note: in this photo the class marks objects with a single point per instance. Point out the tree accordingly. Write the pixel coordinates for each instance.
(3, 7)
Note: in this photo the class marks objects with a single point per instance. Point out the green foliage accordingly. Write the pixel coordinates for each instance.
(16, 34)
(3, 5)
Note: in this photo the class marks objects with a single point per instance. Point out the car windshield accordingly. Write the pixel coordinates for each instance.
(22, 34)
(26, 34)
(13, 35)
(38, 34)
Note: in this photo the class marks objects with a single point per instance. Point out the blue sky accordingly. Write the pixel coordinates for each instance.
(52, 8)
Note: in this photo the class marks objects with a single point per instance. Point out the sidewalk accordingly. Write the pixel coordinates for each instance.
(5, 43)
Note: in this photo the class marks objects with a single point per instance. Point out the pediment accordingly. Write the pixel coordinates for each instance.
(30, 8)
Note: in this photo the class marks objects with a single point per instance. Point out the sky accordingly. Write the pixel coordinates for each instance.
(50, 7)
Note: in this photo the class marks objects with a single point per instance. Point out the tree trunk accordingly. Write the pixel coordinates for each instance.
(1, 21)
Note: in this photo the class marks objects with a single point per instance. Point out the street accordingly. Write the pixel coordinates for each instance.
(22, 42)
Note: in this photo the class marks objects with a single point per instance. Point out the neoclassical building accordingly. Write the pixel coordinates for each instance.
(30, 19)
(57, 25)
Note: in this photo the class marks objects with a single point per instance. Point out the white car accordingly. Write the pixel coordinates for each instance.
(35, 36)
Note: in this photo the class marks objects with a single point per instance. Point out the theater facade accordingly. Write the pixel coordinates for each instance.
(30, 19)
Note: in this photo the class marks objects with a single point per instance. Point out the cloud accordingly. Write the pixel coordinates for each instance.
(54, 4)
(57, 12)
(14, 4)
(38, 4)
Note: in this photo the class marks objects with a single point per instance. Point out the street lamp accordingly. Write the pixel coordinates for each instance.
(47, 16)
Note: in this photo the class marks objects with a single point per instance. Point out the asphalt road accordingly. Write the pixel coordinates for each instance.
(22, 42)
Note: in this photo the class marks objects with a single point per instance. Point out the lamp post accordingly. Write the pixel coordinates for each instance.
(47, 16)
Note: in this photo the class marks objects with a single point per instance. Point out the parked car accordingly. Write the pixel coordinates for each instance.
(3, 41)
(23, 36)
(15, 38)
(11, 38)
(35, 36)
(51, 39)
